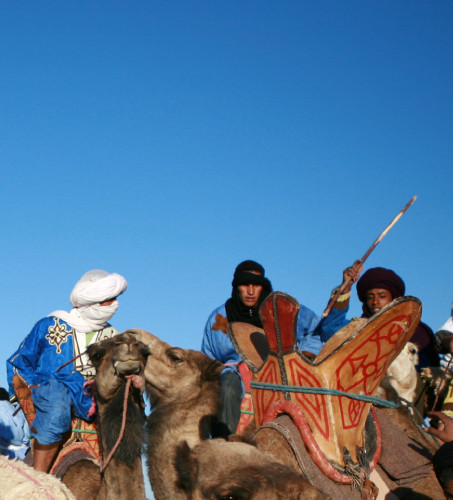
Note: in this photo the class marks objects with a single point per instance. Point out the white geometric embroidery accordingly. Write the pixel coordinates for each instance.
(57, 335)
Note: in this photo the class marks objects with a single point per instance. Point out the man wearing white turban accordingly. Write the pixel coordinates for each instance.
(58, 339)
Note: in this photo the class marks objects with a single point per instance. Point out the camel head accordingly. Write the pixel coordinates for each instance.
(173, 374)
(116, 359)
(402, 374)
(217, 468)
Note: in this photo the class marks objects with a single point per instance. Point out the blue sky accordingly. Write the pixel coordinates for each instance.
(169, 141)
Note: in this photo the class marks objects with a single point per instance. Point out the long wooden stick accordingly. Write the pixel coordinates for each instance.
(367, 254)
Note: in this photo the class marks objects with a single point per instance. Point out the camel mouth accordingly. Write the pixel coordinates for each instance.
(127, 368)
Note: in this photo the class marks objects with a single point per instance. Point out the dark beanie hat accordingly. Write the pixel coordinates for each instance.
(379, 277)
(244, 274)
(249, 265)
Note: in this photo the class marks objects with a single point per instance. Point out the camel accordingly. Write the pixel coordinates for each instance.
(183, 388)
(20, 481)
(119, 363)
(402, 375)
(236, 470)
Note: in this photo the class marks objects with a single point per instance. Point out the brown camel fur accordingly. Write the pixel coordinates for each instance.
(183, 388)
(115, 360)
(235, 470)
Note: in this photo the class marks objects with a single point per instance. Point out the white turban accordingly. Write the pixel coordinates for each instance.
(93, 287)
(448, 326)
(97, 286)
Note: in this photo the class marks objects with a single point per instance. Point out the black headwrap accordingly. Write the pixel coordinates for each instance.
(379, 277)
(236, 310)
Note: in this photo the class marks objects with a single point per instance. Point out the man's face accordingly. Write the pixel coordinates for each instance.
(107, 302)
(249, 294)
(377, 298)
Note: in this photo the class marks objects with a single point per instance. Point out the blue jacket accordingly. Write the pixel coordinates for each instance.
(48, 346)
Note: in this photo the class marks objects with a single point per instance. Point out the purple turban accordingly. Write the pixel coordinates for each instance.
(379, 277)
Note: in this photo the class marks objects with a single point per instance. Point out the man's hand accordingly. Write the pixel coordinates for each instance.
(444, 430)
(351, 275)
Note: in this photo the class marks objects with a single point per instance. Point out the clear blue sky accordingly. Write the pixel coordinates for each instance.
(170, 140)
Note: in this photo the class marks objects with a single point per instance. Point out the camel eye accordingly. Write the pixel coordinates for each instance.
(145, 352)
(235, 493)
(232, 496)
(413, 351)
(97, 356)
(174, 357)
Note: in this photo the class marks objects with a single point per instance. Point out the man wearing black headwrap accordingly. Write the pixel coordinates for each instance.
(376, 288)
(250, 288)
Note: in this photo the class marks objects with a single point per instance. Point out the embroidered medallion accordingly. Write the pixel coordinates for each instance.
(57, 334)
(221, 323)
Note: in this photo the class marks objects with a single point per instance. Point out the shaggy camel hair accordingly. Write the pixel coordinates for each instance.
(19, 481)
(183, 388)
(115, 360)
(219, 469)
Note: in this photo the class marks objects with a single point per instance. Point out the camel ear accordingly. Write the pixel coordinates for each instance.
(211, 370)
(186, 467)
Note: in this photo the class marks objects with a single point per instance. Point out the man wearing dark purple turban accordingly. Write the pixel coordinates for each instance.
(377, 288)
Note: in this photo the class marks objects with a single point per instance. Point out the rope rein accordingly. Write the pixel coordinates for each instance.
(123, 426)
(331, 392)
(70, 361)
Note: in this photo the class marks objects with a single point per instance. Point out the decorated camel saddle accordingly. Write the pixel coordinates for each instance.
(80, 443)
(329, 398)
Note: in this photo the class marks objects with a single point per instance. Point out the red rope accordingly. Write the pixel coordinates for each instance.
(70, 361)
(123, 426)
